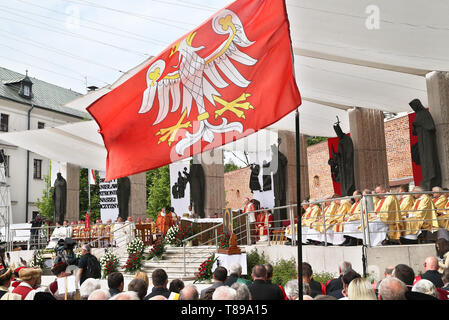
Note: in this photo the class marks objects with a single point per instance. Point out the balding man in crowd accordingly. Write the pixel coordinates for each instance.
(335, 286)
(392, 289)
(190, 292)
(431, 272)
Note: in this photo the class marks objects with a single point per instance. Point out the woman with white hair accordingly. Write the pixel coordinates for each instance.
(426, 287)
(88, 286)
(291, 290)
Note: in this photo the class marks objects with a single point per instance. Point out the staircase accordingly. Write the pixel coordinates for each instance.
(173, 261)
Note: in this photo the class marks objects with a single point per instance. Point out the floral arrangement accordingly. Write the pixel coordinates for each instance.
(171, 236)
(158, 249)
(133, 263)
(223, 240)
(109, 263)
(38, 260)
(135, 246)
(175, 235)
(135, 251)
(184, 233)
(205, 269)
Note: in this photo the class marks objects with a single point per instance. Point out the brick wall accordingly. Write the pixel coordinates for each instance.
(397, 139)
(320, 182)
(237, 187)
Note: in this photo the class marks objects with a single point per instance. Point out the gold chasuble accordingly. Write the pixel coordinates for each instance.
(440, 204)
(354, 212)
(328, 213)
(423, 209)
(312, 212)
(405, 205)
(443, 219)
(389, 213)
(315, 216)
(343, 209)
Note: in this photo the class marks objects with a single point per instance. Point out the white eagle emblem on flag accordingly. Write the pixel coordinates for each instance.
(199, 78)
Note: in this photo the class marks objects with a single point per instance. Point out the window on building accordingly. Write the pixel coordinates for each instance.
(4, 121)
(37, 169)
(40, 125)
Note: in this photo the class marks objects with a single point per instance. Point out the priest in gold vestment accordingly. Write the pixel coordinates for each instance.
(440, 201)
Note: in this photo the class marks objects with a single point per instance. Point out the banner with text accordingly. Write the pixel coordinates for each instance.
(108, 198)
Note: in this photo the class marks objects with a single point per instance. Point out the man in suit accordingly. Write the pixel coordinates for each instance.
(260, 289)
(270, 270)
(219, 276)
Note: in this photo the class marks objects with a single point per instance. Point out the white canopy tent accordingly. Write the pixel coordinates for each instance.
(340, 63)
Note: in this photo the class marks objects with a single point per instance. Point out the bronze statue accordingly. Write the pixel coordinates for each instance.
(254, 184)
(342, 162)
(425, 152)
(278, 165)
(59, 199)
(123, 193)
(197, 187)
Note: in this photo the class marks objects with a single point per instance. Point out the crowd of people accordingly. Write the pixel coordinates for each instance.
(400, 282)
(405, 219)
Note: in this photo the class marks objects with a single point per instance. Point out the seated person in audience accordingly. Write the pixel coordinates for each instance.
(404, 273)
(388, 272)
(445, 279)
(219, 277)
(160, 280)
(425, 287)
(431, 272)
(422, 217)
(347, 279)
(316, 287)
(235, 271)
(360, 289)
(336, 284)
(392, 288)
(260, 289)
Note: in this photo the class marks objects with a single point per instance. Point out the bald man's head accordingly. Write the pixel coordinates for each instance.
(431, 263)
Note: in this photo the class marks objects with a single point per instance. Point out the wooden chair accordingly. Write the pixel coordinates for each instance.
(144, 232)
(278, 236)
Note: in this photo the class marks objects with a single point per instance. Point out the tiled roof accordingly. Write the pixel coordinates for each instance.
(45, 95)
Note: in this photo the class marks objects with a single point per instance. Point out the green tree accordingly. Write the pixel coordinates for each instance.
(45, 203)
(230, 166)
(84, 196)
(315, 140)
(158, 190)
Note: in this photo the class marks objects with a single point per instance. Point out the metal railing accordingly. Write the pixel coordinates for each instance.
(371, 225)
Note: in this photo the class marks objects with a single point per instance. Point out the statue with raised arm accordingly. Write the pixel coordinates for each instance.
(342, 162)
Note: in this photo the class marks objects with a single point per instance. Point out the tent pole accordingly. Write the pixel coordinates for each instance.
(298, 205)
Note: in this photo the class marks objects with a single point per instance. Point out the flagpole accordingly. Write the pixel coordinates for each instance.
(298, 205)
(88, 193)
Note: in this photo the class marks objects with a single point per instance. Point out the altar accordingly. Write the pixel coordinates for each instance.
(199, 225)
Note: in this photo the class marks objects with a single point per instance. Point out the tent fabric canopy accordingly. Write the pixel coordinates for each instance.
(340, 63)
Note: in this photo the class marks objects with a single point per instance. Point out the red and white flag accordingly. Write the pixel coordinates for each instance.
(92, 179)
(228, 78)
